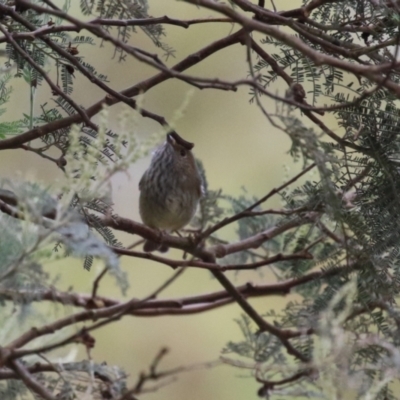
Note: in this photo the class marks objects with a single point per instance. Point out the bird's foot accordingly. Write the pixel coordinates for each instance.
(150, 246)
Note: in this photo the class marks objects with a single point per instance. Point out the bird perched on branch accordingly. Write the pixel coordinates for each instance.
(170, 189)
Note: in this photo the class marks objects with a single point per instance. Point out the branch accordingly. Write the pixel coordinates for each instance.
(300, 255)
(268, 386)
(43, 30)
(246, 211)
(23, 373)
(159, 20)
(255, 241)
(248, 290)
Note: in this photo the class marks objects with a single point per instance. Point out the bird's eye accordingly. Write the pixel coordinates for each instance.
(182, 153)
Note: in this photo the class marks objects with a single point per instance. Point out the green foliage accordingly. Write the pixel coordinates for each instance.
(120, 9)
(13, 389)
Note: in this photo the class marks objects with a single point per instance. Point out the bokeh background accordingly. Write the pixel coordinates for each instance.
(239, 149)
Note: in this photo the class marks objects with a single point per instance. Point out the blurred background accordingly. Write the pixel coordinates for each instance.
(239, 149)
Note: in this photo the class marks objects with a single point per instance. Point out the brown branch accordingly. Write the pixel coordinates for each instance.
(6, 373)
(111, 314)
(6, 209)
(248, 290)
(191, 247)
(166, 261)
(23, 373)
(271, 62)
(162, 287)
(245, 212)
(159, 20)
(152, 374)
(301, 255)
(96, 282)
(258, 239)
(35, 332)
(297, 210)
(270, 385)
(166, 373)
(43, 30)
(83, 335)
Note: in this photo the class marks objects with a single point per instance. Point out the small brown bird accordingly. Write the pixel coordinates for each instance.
(170, 189)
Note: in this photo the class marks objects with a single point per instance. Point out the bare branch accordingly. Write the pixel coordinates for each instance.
(246, 212)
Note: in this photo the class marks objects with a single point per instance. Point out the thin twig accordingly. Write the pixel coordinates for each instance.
(243, 214)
